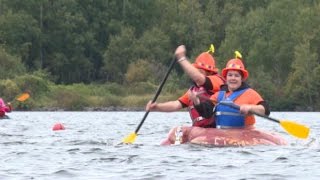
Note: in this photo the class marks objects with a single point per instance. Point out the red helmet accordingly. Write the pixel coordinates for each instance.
(235, 64)
(206, 61)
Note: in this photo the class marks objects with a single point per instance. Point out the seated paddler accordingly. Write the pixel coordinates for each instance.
(234, 91)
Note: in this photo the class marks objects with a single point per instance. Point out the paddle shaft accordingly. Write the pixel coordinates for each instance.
(157, 94)
(260, 115)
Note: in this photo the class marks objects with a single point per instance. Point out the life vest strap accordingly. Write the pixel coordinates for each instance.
(219, 113)
(229, 127)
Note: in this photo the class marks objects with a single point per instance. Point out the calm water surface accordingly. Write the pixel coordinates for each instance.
(88, 149)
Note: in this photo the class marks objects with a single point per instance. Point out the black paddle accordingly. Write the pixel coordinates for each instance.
(131, 137)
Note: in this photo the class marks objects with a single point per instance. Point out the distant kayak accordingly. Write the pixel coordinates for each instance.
(224, 137)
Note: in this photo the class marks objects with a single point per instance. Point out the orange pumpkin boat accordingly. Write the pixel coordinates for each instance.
(222, 137)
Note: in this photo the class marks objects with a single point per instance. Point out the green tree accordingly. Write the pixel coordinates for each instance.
(154, 45)
(185, 22)
(118, 55)
(139, 14)
(265, 37)
(19, 33)
(10, 66)
(303, 82)
(138, 71)
(220, 13)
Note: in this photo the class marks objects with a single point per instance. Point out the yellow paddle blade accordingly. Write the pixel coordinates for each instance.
(130, 139)
(295, 129)
(23, 97)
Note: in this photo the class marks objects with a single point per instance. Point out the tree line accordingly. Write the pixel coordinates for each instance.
(127, 42)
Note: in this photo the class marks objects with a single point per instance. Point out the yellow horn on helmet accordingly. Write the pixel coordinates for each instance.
(238, 55)
(211, 49)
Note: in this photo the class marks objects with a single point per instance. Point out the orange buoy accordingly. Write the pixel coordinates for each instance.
(58, 126)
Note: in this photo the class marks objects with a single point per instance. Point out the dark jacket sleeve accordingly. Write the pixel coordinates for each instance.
(266, 107)
(205, 109)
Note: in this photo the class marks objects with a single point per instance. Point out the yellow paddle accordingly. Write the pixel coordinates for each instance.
(23, 97)
(293, 128)
(132, 137)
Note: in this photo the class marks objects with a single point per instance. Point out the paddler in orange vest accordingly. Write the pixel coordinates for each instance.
(207, 81)
(234, 127)
(236, 91)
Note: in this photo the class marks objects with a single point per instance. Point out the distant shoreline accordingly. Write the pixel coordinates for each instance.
(111, 108)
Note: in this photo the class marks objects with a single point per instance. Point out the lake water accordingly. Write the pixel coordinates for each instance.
(88, 149)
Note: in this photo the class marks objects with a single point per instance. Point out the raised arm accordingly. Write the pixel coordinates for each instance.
(188, 68)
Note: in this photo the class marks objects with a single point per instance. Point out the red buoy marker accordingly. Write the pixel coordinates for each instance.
(58, 127)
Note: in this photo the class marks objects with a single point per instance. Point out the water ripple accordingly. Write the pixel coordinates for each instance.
(89, 148)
